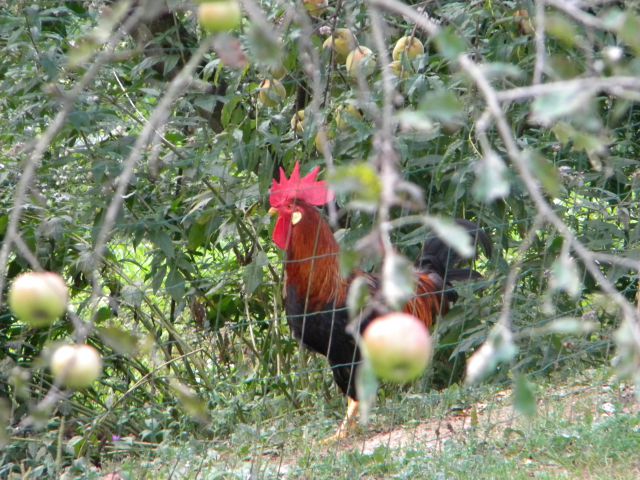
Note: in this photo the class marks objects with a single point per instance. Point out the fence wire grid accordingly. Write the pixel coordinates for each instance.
(136, 157)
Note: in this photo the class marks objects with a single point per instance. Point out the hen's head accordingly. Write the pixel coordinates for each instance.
(287, 197)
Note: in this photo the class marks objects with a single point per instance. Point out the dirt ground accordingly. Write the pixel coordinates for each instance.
(488, 420)
(491, 419)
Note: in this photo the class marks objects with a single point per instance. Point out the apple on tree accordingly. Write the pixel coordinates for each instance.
(398, 69)
(220, 16)
(76, 366)
(297, 122)
(272, 92)
(316, 7)
(342, 41)
(409, 45)
(321, 143)
(345, 114)
(38, 298)
(398, 346)
(278, 71)
(360, 61)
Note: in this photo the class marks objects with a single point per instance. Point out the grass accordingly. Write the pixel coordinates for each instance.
(585, 428)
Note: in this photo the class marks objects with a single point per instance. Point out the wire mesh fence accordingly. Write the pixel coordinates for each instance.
(138, 160)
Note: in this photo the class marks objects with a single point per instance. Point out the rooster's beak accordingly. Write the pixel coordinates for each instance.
(273, 211)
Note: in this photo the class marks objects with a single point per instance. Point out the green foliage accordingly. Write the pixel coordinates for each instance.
(184, 303)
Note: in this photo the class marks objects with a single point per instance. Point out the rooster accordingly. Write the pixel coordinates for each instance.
(316, 292)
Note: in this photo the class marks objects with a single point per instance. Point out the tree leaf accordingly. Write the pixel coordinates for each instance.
(5, 414)
(206, 102)
(629, 31)
(175, 284)
(565, 275)
(524, 399)
(120, 340)
(415, 121)
(359, 179)
(103, 314)
(196, 235)
(194, 406)
(398, 280)
(560, 28)
(552, 106)
(358, 296)
(450, 44)
(442, 105)
(546, 172)
(498, 348)
(163, 241)
(570, 326)
(254, 274)
(582, 141)
(491, 178)
(452, 234)
(366, 387)
(158, 274)
(132, 295)
(4, 221)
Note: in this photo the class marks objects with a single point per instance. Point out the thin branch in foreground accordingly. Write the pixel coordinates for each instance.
(26, 252)
(570, 9)
(541, 54)
(593, 84)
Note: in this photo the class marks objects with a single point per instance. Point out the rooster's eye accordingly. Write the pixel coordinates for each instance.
(296, 217)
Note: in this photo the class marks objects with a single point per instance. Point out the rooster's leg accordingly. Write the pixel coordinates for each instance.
(348, 423)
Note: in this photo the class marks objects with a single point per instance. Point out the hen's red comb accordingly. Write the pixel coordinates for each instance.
(294, 188)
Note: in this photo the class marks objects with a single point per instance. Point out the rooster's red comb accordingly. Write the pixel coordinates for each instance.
(294, 188)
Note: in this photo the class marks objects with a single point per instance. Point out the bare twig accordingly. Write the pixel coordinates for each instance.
(332, 54)
(594, 84)
(541, 54)
(630, 263)
(312, 68)
(259, 20)
(377, 30)
(26, 252)
(386, 156)
(571, 8)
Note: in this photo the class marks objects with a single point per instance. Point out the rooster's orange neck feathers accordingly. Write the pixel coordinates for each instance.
(312, 264)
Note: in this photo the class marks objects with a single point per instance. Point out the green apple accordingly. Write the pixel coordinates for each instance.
(524, 22)
(297, 122)
(38, 298)
(342, 41)
(316, 7)
(272, 92)
(76, 366)
(346, 112)
(398, 346)
(219, 16)
(322, 142)
(411, 46)
(398, 70)
(278, 71)
(360, 61)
